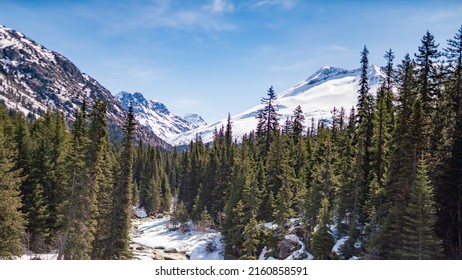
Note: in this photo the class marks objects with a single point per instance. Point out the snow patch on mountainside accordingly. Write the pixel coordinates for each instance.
(327, 88)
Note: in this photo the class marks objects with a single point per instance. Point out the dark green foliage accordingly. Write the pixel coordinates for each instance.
(122, 197)
(449, 187)
(104, 200)
(361, 174)
(322, 241)
(362, 143)
(324, 183)
(345, 199)
(205, 221)
(380, 150)
(403, 170)
(418, 233)
(426, 59)
(46, 171)
(268, 122)
(85, 222)
(179, 217)
(251, 234)
(77, 223)
(11, 219)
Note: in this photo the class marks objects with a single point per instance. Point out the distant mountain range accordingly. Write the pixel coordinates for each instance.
(33, 79)
(329, 87)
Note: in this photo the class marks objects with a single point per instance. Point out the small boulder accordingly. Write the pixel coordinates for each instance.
(286, 247)
(158, 258)
(171, 251)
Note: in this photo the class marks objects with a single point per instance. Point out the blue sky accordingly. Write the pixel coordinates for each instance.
(217, 56)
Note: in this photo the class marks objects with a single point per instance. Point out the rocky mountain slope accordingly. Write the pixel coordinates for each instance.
(33, 79)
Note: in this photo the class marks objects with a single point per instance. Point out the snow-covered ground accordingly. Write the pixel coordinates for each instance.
(154, 233)
(152, 236)
(32, 256)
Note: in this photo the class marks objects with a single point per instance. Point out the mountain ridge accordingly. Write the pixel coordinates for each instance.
(325, 89)
(34, 79)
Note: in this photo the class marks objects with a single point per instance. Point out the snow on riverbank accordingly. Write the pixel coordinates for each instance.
(197, 245)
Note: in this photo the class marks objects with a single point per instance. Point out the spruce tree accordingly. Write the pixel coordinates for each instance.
(402, 173)
(284, 201)
(234, 234)
(345, 200)
(282, 208)
(182, 217)
(426, 60)
(298, 120)
(166, 202)
(104, 199)
(34, 206)
(122, 199)
(273, 169)
(449, 189)
(418, 236)
(268, 122)
(36, 219)
(389, 71)
(227, 171)
(383, 125)
(154, 196)
(380, 152)
(324, 183)
(323, 241)
(205, 220)
(251, 192)
(11, 219)
(47, 172)
(363, 140)
(77, 238)
(97, 135)
(251, 234)
(23, 160)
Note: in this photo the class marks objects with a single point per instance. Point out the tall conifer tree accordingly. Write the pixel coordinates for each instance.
(122, 200)
(363, 140)
(268, 122)
(11, 218)
(77, 238)
(418, 236)
(449, 189)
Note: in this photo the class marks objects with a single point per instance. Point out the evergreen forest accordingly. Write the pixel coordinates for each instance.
(387, 174)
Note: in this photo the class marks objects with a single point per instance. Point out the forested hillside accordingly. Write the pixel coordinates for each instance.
(385, 176)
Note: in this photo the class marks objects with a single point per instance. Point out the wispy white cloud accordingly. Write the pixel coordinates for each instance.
(125, 16)
(285, 4)
(222, 6)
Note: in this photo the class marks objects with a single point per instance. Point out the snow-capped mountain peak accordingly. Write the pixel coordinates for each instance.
(195, 119)
(156, 116)
(327, 88)
(328, 73)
